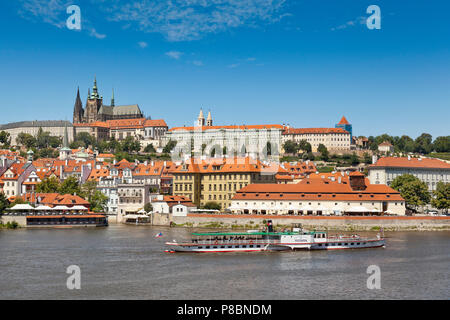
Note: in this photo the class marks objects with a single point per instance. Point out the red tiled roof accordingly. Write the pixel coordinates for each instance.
(317, 189)
(55, 199)
(243, 127)
(226, 165)
(105, 155)
(314, 130)
(155, 123)
(343, 121)
(403, 162)
(125, 123)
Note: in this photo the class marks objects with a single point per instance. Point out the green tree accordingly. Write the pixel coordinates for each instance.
(441, 198)
(4, 203)
(405, 144)
(354, 160)
(5, 138)
(114, 145)
(169, 146)
(83, 139)
(130, 144)
(26, 140)
(42, 139)
(290, 147)
(70, 186)
(323, 152)
(212, 205)
(414, 191)
(305, 146)
(48, 185)
(424, 143)
(367, 158)
(148, 207)
(98, 201)
(102, 146)
(442, 144)
(55, 142)
(150, 148)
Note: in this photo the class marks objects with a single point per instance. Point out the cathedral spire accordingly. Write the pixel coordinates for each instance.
(78, 108)
(209, 120)
(112, 99)
(95, 89)
(65, 151)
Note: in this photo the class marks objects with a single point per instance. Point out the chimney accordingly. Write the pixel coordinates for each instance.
(409, 157)
(374, 159)
(339, 179)
(357, 181)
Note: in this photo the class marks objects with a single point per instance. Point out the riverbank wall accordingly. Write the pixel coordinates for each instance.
(21, 220)
(338, 223)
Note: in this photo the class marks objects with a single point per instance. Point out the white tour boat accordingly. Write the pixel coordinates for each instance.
(254, 240)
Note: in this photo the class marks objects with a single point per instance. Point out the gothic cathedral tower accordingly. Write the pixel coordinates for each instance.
(93, 104)
(78, 111)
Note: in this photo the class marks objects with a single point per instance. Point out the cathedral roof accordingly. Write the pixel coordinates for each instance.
(120, 110)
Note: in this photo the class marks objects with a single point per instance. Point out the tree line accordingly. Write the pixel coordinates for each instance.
(416, 194)
(423, 144)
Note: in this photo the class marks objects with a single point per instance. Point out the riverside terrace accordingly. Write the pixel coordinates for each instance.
(59, 216)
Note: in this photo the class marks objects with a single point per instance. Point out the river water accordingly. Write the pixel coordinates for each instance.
(128, 262)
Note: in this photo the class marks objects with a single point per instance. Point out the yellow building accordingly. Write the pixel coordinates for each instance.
(219, 179)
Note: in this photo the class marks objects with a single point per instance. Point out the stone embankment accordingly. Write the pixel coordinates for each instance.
(339, 223)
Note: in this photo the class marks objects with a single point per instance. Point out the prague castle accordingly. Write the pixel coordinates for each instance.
(95, 110)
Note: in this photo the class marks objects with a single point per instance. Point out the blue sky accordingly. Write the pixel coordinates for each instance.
(303, 63)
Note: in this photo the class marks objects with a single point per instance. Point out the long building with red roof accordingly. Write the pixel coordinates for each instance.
(350, 194)
(332, 138)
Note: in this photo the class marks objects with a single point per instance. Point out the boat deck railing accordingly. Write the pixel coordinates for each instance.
(240, 241)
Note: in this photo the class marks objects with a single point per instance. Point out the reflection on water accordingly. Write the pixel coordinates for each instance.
(128, 262)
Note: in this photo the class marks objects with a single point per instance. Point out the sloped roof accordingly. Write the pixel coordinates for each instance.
(317, 189)
(403, 162)
(314, 130)
(243, 127)
(36, 124)
(343, 121)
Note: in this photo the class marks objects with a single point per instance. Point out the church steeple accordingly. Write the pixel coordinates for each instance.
(65, 151)
(209, 121)
(201, 119)
(112, 99)
(78, 108)
(95, 89)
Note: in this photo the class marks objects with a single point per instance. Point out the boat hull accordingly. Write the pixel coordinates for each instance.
(346, 244)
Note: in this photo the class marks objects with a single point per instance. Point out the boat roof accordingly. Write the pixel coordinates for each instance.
(248, 233)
